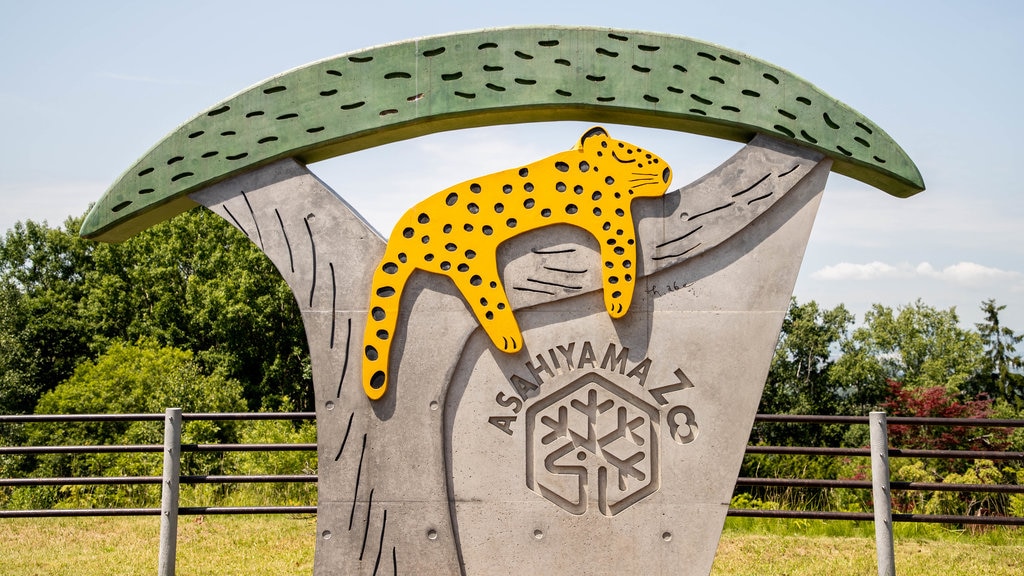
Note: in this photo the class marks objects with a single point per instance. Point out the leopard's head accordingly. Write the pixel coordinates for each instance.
(644, 174)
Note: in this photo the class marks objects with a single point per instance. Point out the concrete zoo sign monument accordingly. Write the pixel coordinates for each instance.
(568, 383)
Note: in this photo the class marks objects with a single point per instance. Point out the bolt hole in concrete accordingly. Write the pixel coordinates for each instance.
(326, 534)
(434, 405)
(431, 534)
(667, 536)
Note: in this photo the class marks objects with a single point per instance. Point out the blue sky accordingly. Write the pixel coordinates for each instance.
(87, 87)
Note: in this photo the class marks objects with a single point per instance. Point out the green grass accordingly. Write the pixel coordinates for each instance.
(207, 545)
(257, 545)
(759, 547)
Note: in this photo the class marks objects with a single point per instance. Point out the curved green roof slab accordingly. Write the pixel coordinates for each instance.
(389, 93)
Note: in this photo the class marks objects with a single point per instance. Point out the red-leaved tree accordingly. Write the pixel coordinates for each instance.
(938, 402)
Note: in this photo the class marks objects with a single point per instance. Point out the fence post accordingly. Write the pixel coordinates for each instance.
(169, 492)
(881, 494)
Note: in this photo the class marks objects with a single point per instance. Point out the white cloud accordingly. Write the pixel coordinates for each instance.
(969, 273)
(850, 271)
(961, 273)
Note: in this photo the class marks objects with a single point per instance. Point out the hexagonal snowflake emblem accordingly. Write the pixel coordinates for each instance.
(592, 438)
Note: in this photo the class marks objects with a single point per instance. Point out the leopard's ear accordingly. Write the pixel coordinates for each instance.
(595, 131)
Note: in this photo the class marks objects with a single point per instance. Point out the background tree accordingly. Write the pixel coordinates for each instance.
(917, 345)
(196, 283)
(16, 393)
(1000, 375)
(192, 283)
(799, 380)
(43, 337)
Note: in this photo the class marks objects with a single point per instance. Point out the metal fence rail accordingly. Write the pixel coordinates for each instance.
(868, 517)
(185, 416)
(893, 452)
(182, 511)
(172, 448)
(892, 420)
(799, 483)
(184, 479)
(891, 486)
(866, 485)
(156, 480)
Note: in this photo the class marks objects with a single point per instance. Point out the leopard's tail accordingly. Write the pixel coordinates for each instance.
(382, 317)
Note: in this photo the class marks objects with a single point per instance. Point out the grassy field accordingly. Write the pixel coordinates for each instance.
(210, 545)
(809, 548)
(257, 545)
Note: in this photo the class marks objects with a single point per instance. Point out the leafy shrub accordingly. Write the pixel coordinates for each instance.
(132, 379)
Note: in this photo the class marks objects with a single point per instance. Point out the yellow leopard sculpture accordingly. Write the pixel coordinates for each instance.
(456, 232)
